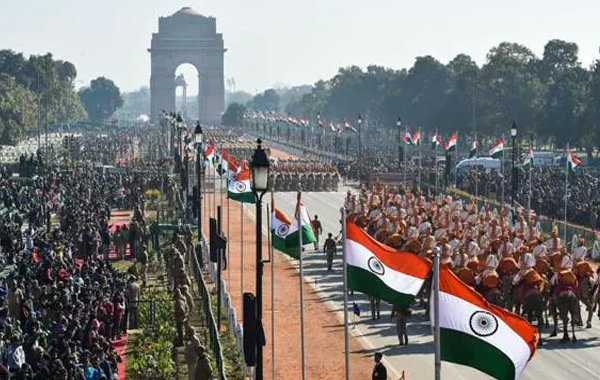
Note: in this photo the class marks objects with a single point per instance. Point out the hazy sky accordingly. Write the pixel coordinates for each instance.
(293, 42)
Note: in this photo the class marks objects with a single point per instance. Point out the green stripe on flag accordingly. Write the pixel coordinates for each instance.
(460, 348)
(366, 282)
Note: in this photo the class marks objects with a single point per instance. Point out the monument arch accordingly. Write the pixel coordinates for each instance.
(188, 37)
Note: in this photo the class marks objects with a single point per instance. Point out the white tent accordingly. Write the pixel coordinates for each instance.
(485, 162)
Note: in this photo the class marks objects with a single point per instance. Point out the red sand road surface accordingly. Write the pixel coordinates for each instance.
(324, 333)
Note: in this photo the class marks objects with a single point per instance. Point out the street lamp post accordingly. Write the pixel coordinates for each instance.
(198, 141)
(360, 120)
(513, 193)
(259, 182)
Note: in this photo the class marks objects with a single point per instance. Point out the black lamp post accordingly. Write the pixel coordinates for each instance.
(259, 182)
(398, 128)
(513, 193)
(360, 120)
(199, 159)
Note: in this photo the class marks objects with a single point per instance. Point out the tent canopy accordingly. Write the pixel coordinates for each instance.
(485, 162)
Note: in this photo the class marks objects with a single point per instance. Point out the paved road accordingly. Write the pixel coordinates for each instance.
(553, 361)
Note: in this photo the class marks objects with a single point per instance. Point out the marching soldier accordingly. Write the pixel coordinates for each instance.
(375, 307)
(330, 248)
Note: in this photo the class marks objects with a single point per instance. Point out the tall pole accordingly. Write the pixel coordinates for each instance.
(272, 258)
(359, 163)
(436, 312)
(566, 193)
(435, 165)
(299, 221)
(513, 186)
(502, 170)
(242, 251)
(228, 245)
(404, 160)
(346, 333)
(199, 164)
(420, 158)
(259, 274)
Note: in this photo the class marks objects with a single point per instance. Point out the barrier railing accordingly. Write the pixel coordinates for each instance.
(213, 327)
(232, 322)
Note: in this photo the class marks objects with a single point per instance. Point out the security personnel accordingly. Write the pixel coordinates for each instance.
(379, 371)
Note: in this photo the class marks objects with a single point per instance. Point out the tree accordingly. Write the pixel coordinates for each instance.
(101, 99)
(234, 115)
(267, 101)
(17, 110)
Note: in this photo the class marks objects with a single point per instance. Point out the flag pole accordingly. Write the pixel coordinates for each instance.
(436, 312)
(214, 190)
(502, 173)
(228, 245)
(242, 252)
(420, 158)
(405, 149)
(435, 166)
(566, 192)
(299, 221)
(346, 335)
(476, 174)
(530, 185)
(272, 259)
(456, 161)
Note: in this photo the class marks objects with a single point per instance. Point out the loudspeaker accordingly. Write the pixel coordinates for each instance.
(250, 329)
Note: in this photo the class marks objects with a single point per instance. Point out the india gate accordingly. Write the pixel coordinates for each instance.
(188, 37)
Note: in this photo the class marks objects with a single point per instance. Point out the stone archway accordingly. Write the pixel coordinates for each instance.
(188, 37)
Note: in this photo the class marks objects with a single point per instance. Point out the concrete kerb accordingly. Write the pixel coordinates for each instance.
(356, 332)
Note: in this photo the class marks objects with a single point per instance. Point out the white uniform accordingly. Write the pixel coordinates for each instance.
(540, 251)
(579, 253)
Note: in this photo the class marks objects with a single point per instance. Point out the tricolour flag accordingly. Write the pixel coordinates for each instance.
(280, 229)
(450, 145)
(209, 152)
(478, 334)
(473, 151)
(223, 163)
(292, 240)
(416, 138)
(350, 127)
(232, 168)
(376, 269)
(407, 138)
(239, 188)
(436, 140)
(498, 148)
(573, 160)
(528, 159)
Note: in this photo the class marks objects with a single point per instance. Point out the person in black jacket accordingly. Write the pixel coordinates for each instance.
(379, 371)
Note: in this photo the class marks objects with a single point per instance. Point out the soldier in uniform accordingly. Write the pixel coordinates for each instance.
(132, 297)
(330, 248)
(181, 315)
(375, 309)
(143, 259)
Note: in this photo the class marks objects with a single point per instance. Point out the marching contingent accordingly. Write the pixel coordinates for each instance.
(491, 255)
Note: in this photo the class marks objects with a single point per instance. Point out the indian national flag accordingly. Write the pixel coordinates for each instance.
(416, 138)
(498, 148)
(239, 188)
(528, 159)
(407, 138)
(477, 334)
(223, 163)
(292, 240)
(232, 168)
(572, 160)
(436, 140)
(376, 269)
(451, 143)
(473, 151)
(209, 153)
(280, 229)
